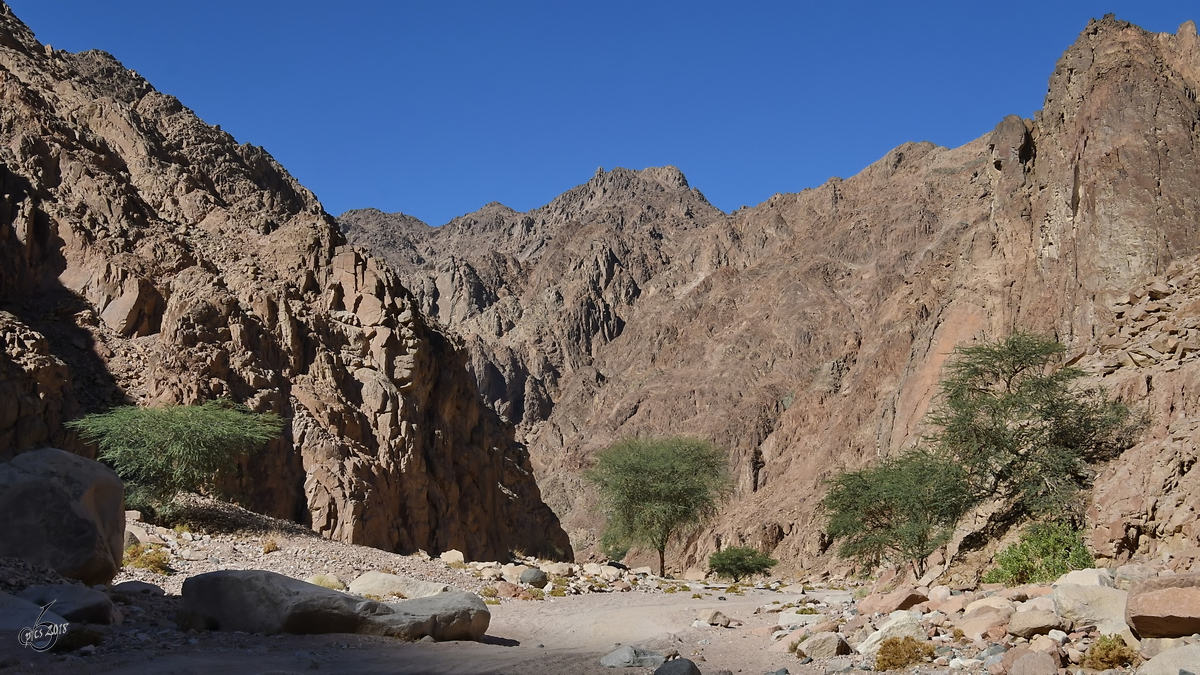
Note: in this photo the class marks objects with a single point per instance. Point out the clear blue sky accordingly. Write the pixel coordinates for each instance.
(435, 108)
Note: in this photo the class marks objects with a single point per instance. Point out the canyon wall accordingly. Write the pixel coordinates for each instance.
(147, 257)
(806, 334)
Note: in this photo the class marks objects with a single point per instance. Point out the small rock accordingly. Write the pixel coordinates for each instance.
(632, 657)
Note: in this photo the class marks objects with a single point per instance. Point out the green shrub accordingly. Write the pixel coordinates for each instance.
(489, 592)
(161, 452)
(1045, 552)
(1110, 651)
(148, 557)
(895, 653)
(902, 510)
(537, 593)
(737, 562)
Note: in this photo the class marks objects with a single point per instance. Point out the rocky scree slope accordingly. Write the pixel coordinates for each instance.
(807, 333)
(147, 257)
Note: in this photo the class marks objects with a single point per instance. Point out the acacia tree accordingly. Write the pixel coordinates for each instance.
(1021, 428)
(160, 452)
(655, 490)
(901, 510)
(1014, 427)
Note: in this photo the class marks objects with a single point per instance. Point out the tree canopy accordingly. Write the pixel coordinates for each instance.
(160, 452)
(654, 490)
(1013, 426)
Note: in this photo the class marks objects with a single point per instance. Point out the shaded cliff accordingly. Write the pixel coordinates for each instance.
(807, 333)
(148, 257)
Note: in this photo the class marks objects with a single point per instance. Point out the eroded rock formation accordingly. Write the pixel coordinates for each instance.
(147, 257)
(807, 333)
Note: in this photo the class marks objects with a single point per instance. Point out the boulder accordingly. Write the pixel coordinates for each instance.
(1034, 663)
(256, 601)
(629, 656)
(991, 602)
(826, 645)
(1173, 662)
(74, 603)
(1165, 607)
(1128, 575)
(534, 577)
(898, 625)
(677, 667)
(453, 556)
(790, 618)
(382, 584)
(328, 581)
(988, 623)
(16, 614)
(901, 598)
(1029, 624)
(65, 512)
(132, 588)
(453, 615)
(717, 619)
(1088, 577)
(512, 573)
(508, 590)
(1091, 605)
(559, 569)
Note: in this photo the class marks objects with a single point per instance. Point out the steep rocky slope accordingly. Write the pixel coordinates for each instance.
(807, 333)
(147, 257)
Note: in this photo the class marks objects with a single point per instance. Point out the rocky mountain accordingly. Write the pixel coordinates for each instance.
(147, 257)
(807, 333)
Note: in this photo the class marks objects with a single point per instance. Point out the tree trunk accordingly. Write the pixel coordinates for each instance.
(662, 562)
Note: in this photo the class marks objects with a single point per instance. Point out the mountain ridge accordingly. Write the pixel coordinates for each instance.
(806, 333)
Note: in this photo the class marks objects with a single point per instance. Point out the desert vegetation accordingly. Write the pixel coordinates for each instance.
(655, 490)
(1013, 428)
(162, 452)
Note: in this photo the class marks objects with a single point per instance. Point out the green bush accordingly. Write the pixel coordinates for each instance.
(1045, 552)
(161, 452)
(902, 510)
(654, 490)
(737, 562)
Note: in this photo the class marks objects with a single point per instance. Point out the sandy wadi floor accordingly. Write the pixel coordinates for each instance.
(526, 637)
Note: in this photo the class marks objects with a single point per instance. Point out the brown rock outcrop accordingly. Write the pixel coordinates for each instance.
(807, 333)
(148, 257)
(1164, 607)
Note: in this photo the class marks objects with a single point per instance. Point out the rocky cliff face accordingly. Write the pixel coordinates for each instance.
(147, 257)
(807, 333)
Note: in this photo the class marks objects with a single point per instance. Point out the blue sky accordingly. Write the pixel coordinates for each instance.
(436, 108)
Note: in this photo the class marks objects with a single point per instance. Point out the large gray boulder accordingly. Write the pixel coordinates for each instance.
(383, 584)
(454, 615)
(1173, 662)
(632, 657)
(63, 511)
(256, 601)
(17, 614)
(898, 625)
(74, 603)
(1091, 605)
